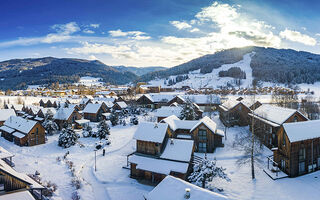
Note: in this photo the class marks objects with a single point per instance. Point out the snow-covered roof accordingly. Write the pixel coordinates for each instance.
(20, 124)
(202, 98)
(4, 153)
(158, 97)
(274, 114)
(6, 113)
(122, 104)
(166, 111)
(229, 104)
(175, 123)
(21, 195)
(45, 110)
(8, 169)
(63, 113)
(18, 134)
(171, 188)
(82, 121)
(92, 108)
(151, 132)
(180, 150)
(160, 166)
(208, 123)
(84, 100)
(298, 131)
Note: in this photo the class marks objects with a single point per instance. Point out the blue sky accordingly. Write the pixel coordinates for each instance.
(153, 33)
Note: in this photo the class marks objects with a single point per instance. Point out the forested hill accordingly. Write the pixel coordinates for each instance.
(18, 73)
(268, 64)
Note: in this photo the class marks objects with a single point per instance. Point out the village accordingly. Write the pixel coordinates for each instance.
(95, 142)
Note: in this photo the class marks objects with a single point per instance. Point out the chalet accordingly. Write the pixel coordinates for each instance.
(120, 105)
(154, 100)
(23, 132)
(5, 114)
(298, 149)
(65, 116)
(16, 185)
(268, 120)
(172, 188)
(93, 112)
(149, 89)
(84, 102)
(166, 111)
(204, 132)
(235, 112)
(157, 156)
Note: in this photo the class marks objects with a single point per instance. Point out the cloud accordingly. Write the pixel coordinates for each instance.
(92, 57)
(296, 36)
(95, 25)
(136, 35)
(180, 25)
(194, 30)
(88, 31)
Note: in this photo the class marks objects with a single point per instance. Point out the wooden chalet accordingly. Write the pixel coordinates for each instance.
(204, 132)
(120, 105)
(268, 120)
(17, 186)
(93, 112)
(66, 116)
(298, 150)
(154, 101)
(235, 112)
(5, 114)
(157, 155)
(23, 132)
(166, 111)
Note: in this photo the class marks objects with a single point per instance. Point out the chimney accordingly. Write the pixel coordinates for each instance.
(171, 141)
(156, 125)
(187, 194)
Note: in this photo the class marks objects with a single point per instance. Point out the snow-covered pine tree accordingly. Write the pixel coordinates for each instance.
(134, 120)
(67, 137)
(49, 125)
(87, 131)
(103, 130)
(188, 112)
(205, 171)
(114, 118)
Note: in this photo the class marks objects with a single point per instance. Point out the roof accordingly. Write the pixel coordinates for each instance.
(122, 104)
(202, 98)
(21, 195)
(171, 188)
(175, 123)
(153, 165)
(208, 123)
(20, 124)
(92, 108)
(4, 153)
(151, 132)
(180, 150)
(18, 134)
(156, 98)
(6, 129)
(299, 131)
(63, 113)
(45, 110)
(274, 114)
(166, 111)
(6, 113)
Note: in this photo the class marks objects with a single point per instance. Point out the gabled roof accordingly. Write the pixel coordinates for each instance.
(175, 123)
(20, 124)
(208, 123)
(151, 132)
(298, 131)
(21, 195)
(274, 114)
(63, 113)
(122, 104)
(179, 150)
(166, 111)
(6, 113)
(4, 153)
(171, 188)
(92, 108)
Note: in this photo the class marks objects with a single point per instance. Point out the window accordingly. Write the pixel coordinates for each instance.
(202, 147)
(295, 119)
(302, 167)
(302, 154)
(202, 134)
(284, 139)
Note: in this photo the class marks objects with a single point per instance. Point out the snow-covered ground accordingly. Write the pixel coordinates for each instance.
(90, 81)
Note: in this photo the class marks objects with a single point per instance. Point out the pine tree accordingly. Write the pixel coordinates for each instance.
(87, 131)
(188, 112)
(49, 125)
(114, 118)
(205, 171)
(134, 120)
(67, 137)
(103, 130)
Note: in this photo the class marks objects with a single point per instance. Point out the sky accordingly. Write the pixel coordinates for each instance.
(153, 32)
